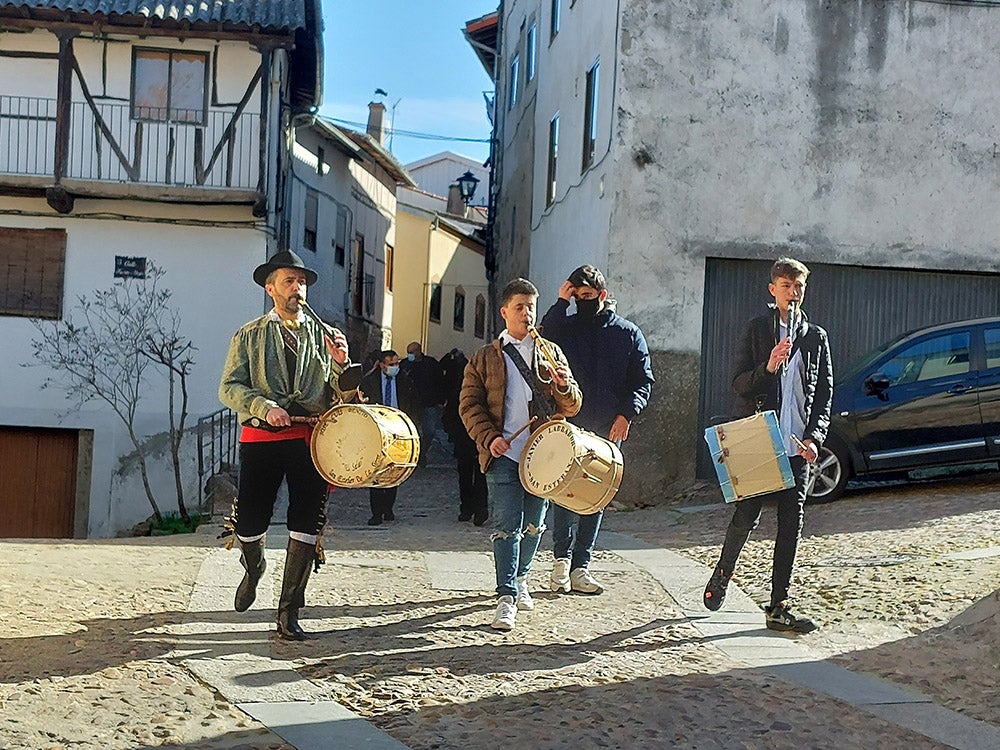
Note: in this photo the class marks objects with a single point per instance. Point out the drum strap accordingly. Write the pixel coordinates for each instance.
(540, 401)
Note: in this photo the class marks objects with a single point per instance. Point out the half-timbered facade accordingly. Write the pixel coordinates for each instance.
(135, 132)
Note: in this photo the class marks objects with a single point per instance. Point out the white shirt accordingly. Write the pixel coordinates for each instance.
(792, 418)
(517, 395)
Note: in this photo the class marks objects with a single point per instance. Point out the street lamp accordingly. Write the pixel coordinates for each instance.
(467, 186)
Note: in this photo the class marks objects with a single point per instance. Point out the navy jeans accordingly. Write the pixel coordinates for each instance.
(790, 514)
(582, 542)
(518, 523)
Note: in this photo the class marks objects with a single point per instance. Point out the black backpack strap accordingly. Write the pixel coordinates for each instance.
(544, 406)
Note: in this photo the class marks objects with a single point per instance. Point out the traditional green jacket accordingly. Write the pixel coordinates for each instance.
(255, 377)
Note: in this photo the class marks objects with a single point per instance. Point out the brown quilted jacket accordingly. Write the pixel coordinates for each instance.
(481, 402)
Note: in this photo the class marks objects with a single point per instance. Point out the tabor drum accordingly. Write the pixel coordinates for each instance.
(749, 457)
(365, 445)
(571, 467)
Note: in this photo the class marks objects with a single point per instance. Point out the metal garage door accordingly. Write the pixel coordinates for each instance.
(37, 482)
(859, 307)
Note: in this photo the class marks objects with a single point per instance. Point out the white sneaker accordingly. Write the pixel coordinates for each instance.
(506, 612)
(524, 601)
(581, 580)
(559, 580)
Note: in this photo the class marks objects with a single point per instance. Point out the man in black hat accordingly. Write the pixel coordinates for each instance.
(280, 366)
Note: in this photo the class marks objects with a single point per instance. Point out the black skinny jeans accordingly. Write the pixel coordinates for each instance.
(790, 513)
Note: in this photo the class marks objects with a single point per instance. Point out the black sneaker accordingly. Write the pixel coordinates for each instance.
(780, 617)
(715, 591)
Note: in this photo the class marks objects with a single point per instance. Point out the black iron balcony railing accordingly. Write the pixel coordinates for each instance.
(107, 145)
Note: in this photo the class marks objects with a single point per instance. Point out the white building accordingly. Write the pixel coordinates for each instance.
(129, 134)
(683, 148)
(436, 174)
(342, 217)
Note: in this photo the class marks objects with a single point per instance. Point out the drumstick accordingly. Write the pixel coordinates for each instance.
(521, 429)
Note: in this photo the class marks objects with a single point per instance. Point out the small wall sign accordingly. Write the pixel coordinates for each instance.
(127, 267)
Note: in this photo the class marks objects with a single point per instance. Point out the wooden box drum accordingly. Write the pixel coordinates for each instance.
(365, 445)
(571, 467)
(749, 457)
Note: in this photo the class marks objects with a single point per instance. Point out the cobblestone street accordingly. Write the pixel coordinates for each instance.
(130, 643)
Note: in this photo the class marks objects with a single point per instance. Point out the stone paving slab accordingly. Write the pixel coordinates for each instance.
(320, 726)
(461, 571)
(258, 679)
(853, 688)
(947, 727)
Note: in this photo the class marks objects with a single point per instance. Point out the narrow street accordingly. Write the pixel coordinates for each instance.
(131, 643)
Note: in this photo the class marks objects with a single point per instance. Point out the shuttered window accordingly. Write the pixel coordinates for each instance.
(32, 266)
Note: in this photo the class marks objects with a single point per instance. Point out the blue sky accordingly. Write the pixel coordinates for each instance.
(414, 50)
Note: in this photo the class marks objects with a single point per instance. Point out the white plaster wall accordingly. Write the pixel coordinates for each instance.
(329, 296)
(846, 132)
(375, 218)
(574, 230)
(208, 270)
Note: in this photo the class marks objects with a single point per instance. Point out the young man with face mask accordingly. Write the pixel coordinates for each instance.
(388, 386)
(609, 356)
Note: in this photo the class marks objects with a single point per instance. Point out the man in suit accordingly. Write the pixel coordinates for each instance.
(386, 385)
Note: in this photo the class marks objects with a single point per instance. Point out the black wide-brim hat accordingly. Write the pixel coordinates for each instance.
(285, 259)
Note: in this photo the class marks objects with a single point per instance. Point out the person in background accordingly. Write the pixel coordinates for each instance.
(388, 386)
(425, 373)
(472, 491)
(611, 362)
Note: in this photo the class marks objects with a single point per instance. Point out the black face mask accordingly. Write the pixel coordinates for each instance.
(588, 308)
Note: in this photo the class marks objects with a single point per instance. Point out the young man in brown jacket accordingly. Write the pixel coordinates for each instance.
(500, 395)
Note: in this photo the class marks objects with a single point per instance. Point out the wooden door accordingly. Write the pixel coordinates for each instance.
(37, 482)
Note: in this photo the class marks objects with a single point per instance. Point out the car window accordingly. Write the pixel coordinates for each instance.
(931, 358)
(992, 347)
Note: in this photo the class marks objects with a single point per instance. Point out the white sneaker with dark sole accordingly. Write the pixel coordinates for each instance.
(505, 615)
(584, 583)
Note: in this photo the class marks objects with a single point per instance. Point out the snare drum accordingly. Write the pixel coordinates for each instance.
(365, 445)
(749, 457)
(571, 467)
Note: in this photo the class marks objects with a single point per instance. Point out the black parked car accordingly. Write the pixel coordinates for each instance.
(930, 397)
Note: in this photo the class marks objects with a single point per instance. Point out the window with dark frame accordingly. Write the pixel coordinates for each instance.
(458, 319)
(479, 330)
(550, 184)
(32, 268)
(169, 86)
(312, 211)
(434, 314)
(590, 116)
(531, 58)
(515, 67)
(388, 268)
(357, 295)
(554, 19)
(340, 238)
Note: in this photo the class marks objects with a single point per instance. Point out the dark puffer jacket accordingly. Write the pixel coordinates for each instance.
(610, 361)
(760, 390)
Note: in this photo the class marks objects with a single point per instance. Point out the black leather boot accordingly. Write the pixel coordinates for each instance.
(298, 566)
(252, 559)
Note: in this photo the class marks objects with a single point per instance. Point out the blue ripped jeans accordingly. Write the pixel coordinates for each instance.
(518, 520)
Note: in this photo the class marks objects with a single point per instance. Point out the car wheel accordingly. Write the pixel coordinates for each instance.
(830, 475)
